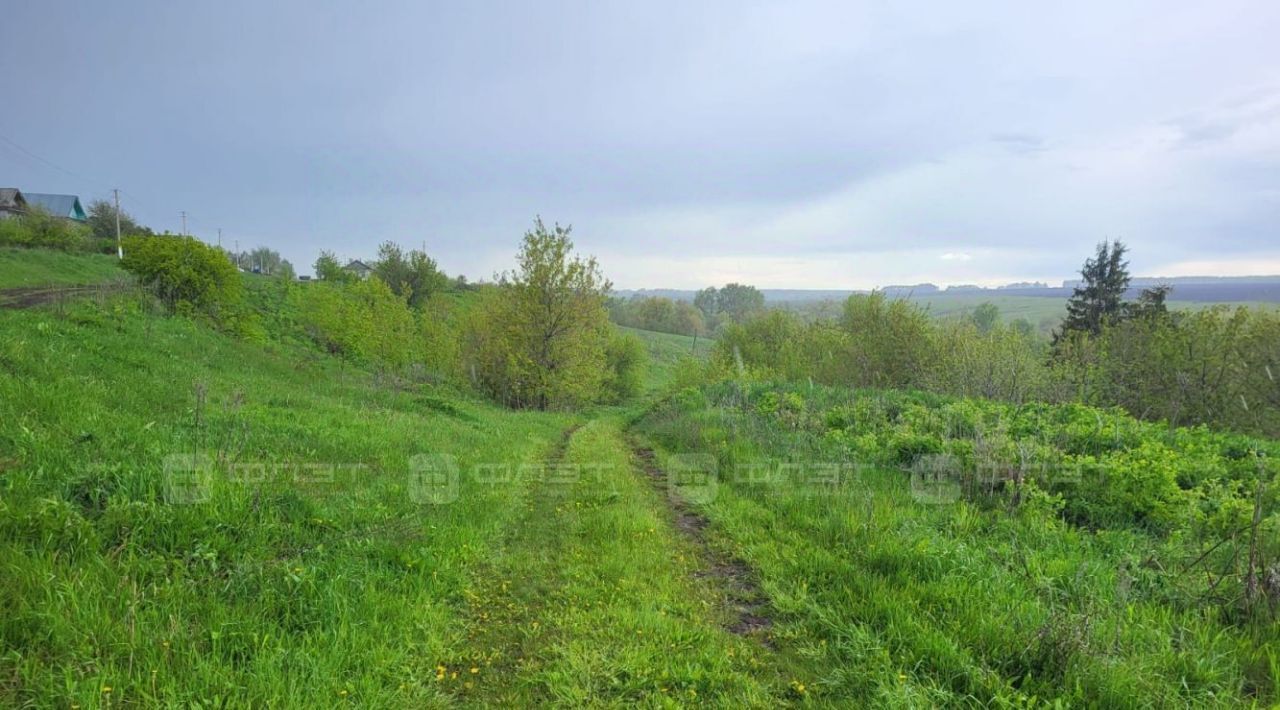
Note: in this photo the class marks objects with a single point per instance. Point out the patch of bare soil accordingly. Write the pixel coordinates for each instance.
(747, 603)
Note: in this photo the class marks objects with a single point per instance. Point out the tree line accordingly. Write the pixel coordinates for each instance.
(1216, 366)
(539, 337)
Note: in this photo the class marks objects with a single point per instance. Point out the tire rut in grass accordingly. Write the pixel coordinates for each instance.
(733, 577)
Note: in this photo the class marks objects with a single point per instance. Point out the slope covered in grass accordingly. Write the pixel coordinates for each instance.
(1095, 578)
(45, 267)
(304, 561)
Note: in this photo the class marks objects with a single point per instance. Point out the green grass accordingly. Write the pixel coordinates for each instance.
(1036, 310)
(669, 354)
(885, 598)
(309, 562)
(43, 267)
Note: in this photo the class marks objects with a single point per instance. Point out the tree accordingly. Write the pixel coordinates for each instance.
(985, 317)
(327, 268)
(1150, 303)
(102, 222)
(1099, 299)
(733, 303)
(737, 301)
(540, 339)
(414, 276)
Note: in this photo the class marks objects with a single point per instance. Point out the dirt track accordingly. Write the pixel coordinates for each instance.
(31, 296)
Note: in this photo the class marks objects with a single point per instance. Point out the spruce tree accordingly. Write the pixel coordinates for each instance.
(1099, 300)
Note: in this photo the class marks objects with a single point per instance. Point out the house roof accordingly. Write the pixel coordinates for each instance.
(11, 198)
(60, 205)
(357, 265)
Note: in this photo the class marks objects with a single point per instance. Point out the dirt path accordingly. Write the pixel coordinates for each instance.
(31, 296)
(596, 597)
(734, 578)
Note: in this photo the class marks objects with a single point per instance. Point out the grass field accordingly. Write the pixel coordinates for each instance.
(1036, 310)
(188, 518)
(42, 267)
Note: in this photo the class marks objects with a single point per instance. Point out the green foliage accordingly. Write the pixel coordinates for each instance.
(414, 276)
(733, 303)
(363, 321)
(985, 317)
(658, 314)
(37, 228)
(1098, 301)
(539, 338)
(625, 360)
(102, 223)
(891, 340)
(185, 274)
(1066, 555)
(328, 268)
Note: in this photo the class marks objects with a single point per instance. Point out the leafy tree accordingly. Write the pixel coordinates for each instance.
(985, 317)
(540, 339)
(102, 222)
(1150, 303)
(1100, 298)
(413, 275)
(659, 314)
(892, 341)
(732, 303)
(328, 268)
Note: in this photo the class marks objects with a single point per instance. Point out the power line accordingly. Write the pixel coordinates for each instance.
(50, 163)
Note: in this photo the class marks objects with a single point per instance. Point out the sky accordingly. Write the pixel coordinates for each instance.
(786, 145)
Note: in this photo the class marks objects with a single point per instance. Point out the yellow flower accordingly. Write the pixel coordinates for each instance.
(343, 692)
(474, 669)
(106, 689)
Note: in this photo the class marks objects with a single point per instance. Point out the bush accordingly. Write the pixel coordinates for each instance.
(185, 274)
(624, 357)
(363, 321)
(40, 229)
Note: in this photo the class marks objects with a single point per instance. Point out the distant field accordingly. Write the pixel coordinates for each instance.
(667, 352)
(1037, 310)
(40, 267)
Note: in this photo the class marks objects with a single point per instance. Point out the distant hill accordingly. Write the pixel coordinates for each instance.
(1199, 289)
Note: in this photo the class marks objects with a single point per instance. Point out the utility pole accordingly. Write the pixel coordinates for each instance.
(184, 223)
(237, 253)
(219, 237)
(119, 249)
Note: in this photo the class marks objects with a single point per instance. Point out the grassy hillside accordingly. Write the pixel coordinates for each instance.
(668, 353)
(190, 518)
(43, 267)
(893, 588)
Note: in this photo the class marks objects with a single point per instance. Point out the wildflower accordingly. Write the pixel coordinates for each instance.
(474, 670)
(343, 692)
(106, 690)
(902, 677)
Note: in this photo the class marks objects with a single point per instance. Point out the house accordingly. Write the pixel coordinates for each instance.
(65, 206)
(12, 202)
(359, 268)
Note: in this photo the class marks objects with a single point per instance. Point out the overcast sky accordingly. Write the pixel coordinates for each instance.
(803, 145)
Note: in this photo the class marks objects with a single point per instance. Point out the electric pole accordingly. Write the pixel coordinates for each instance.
(219, 237)
(184, 223)
(119, 249)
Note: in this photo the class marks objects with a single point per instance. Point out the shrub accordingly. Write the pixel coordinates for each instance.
(624, 357)
(185, 274)
(40, 229)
